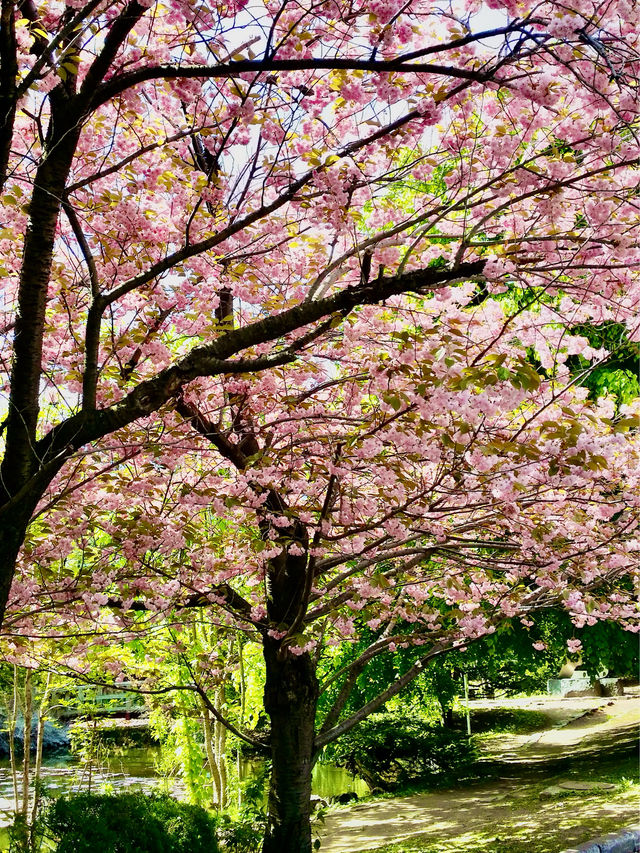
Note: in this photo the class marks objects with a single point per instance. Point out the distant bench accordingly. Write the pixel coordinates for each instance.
(581, 684)
(625, 841)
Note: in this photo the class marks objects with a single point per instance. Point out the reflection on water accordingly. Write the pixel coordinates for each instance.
(329, 781)
(133, 770)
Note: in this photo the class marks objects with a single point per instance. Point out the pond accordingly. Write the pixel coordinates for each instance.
(327, 780)
(135, 769)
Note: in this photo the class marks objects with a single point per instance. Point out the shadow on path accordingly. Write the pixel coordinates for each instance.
(510, 806)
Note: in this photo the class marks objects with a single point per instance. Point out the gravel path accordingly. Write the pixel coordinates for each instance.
(588, 727)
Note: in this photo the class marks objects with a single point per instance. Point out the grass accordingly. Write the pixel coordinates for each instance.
(498, 721)
(502, 810)
(622, 772)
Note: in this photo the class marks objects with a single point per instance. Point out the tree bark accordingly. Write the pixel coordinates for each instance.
(23, 474)
(20, 459)
(220, 744)
(43, 708)
(290, 697)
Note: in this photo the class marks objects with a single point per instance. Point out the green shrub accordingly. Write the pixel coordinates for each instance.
(393, 751)
(128, 823)
(244, 834)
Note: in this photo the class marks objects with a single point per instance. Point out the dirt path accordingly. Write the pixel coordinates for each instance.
(590, 727)
(580, 726)
(475, 815)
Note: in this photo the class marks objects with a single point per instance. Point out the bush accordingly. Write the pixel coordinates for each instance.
(393, 751)
(128, 823)
(243, 834)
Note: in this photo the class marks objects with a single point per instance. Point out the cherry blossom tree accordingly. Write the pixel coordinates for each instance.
(291, 330)
(163, 163)
(423, 491)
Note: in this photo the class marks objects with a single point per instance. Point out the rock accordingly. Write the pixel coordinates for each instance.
(626, 841)
(619, 842)
(611, 686)
(586, 786)
(577, 694)
(318, 803)
(347, 797)
(552, 792)
(56, 738)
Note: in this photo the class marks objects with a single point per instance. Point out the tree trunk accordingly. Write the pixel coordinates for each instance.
(216, 784)
(43, 707)
(12, 532)
(20, 462)
(8, 78)
(11, 727)
(290, 697)
(220, 744)
(26, 757)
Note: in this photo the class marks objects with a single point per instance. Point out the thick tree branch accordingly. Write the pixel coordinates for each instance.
(405, 63)
(76, 227)
(245, 736)
(91, 354)
(211, 432)
(229, 599)
(20, 459)
(310, 570)
(45, 51)
(370, 707)
(343, 697)
(8, 78)
(235, 68)
(115, 38)
(212, 359)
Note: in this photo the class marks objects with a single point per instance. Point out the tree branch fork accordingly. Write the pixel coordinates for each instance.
(218, 358)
